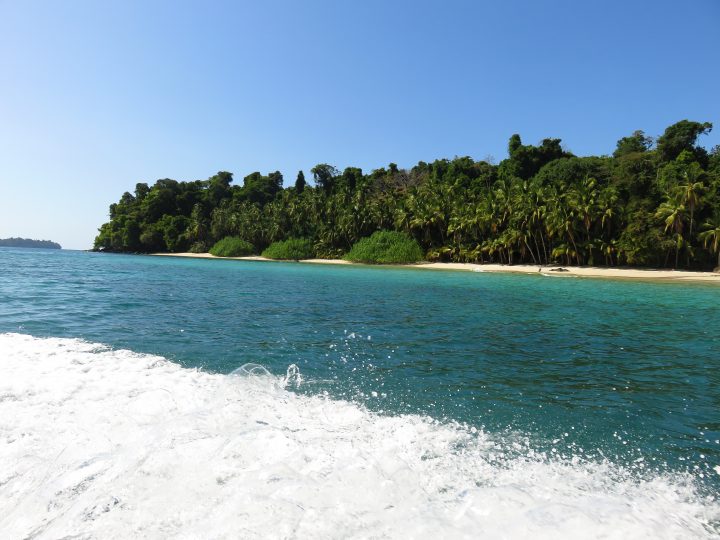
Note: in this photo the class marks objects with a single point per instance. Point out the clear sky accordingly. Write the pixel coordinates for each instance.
(97, 96)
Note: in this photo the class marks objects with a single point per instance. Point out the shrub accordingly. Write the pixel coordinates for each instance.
(293, 249)
(232, 246)
(198, 247)
(386, 247)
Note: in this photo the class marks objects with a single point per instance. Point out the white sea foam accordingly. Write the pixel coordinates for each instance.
(100, 443)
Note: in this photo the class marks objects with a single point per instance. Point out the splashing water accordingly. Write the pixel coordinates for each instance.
(251, 369)
(108, 443)
(292, 377)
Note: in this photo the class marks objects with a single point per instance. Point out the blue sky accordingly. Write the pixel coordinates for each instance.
(97, 96)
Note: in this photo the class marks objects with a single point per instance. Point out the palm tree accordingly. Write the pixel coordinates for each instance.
(673, 213)
(690, 194)
(562, 223)
(711, 236)
(609, 248)
(536, 196)
(566, 250)
(608, 208)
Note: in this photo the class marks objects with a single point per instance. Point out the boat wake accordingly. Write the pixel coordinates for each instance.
(102, 443)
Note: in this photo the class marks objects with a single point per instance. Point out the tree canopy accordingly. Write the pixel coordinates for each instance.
(646, 205)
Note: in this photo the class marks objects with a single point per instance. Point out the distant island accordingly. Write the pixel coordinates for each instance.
(28, 243)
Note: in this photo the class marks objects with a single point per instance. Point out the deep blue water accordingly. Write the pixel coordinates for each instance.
(621, 370)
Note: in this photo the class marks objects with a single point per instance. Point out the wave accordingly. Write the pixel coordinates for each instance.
(103, 443)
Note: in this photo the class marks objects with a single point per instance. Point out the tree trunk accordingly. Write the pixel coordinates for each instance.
(545, 251)
(531, 252)
(577, 253)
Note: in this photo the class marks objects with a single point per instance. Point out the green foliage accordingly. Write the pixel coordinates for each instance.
(514, 145)
(568, 171)
(682, 136)
(218, 188)
(173, 232)
(262, 189)
(525, 161)
(198, 247)
(645, 205)
(293, 249)
(711, 236)
(386, 247)
(325, 176)
(634, 144)
(351, 178)
(714, 160)
(232, 246)
(300, 182)
(635, 175)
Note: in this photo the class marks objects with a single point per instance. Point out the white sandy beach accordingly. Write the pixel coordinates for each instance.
(581, 271)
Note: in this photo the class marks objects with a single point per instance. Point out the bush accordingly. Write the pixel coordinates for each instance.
(293, 249)
(386, 247)
(232, 246)
(198, 247)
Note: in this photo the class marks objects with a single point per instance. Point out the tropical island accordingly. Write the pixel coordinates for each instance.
(655, 202)
(28, 243)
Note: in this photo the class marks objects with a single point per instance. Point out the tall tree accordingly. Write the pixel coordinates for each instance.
(636, 143)
(681, 136)
(324, 176)
(710, 236)
(300, 182)
(673, 213)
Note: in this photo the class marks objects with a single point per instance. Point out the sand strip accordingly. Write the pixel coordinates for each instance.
(582, 271)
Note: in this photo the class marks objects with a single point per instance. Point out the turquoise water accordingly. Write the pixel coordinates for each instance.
(601, 369)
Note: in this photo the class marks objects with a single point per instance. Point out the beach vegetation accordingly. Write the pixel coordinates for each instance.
(198, 247)
(647, 204)
(710, 236)
(386, 247)
(232, 246)
(292, 249)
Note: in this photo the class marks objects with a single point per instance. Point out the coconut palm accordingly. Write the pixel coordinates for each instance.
(711, 236)
(691, 196)
(674, 214)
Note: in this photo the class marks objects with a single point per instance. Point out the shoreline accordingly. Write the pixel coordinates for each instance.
(574, 271)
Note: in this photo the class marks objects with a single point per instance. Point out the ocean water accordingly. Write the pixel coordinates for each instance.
(165, 397)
